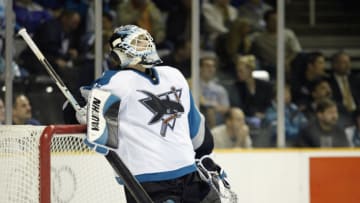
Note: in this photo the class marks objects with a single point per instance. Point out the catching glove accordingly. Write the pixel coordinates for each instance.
(215, 176)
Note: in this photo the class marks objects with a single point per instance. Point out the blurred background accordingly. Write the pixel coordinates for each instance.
(237, 63)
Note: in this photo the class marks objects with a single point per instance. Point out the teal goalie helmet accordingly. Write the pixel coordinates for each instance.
(131, 45)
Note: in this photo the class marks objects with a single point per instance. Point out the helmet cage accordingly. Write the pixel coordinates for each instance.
(133, 41)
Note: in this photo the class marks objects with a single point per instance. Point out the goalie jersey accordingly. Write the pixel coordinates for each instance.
(159, 125)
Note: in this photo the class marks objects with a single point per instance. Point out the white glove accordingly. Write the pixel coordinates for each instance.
(81, 115)
(85, 91)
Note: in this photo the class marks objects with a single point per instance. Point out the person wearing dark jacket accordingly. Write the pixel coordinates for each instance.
(324, 131)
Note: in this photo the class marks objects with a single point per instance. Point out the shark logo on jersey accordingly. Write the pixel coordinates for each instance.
(164, 108)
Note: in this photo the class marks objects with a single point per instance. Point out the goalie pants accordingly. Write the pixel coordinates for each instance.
(186, 189)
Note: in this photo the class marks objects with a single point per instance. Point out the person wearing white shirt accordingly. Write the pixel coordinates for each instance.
(234, 133)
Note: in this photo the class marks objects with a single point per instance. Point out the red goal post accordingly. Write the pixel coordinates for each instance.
(51, 164)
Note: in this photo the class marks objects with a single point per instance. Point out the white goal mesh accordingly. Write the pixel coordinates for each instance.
(32, 157)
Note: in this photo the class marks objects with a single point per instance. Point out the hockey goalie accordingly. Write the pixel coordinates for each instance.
(145, 113)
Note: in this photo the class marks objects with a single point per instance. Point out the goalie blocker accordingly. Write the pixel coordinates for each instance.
(102, 136)
(102, 119)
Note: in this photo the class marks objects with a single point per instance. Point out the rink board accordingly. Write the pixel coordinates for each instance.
(257, 176)
(293, 175)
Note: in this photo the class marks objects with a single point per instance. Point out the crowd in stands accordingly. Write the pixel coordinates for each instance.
(21, 111)
(238, 38)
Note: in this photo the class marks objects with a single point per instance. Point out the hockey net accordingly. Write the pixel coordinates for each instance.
(51, 164)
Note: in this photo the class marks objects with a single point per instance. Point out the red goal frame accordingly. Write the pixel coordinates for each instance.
(45, 153)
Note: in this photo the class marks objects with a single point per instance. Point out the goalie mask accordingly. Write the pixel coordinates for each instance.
(131, 45)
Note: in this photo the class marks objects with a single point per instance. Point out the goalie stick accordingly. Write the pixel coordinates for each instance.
(115, 161)
(23, 33)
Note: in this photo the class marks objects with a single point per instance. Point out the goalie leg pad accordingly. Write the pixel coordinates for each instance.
(102, 113)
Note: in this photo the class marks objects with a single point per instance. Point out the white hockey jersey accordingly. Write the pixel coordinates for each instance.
(159, 124)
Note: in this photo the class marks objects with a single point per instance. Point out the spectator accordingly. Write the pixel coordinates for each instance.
(344, 84)
(178, 21)
(214, 97)
(88, 40)
(57, 41)
(217, 17)
(108, 18)
(22, 114)
(90, 16)
(234, 133)
(353, 132)
(87, 56)
(54, 38)
(17, 71)
(264, 45)
(294, 119)
(254, 10)
(82, 8)
(107, 27)
(233, 43)
(30, 15)
(180, 57)
(2, 111)
(324, 131)
(145, 14)
(53, 5)
(304, 76)
(251, 95)
(319, 90)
